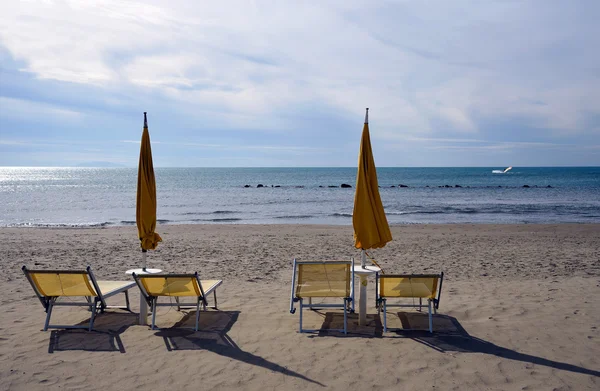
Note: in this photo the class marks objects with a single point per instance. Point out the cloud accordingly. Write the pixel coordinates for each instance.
(277, 73)
(23, 108)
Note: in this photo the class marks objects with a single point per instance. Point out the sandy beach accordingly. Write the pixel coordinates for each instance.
(519, 311)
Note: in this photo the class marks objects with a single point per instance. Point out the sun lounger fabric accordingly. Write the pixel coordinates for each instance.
(323, 280)
(171, 286)
(63, 284)
(397, 286)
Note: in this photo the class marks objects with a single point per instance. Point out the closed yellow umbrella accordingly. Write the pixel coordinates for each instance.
(371, 229)
(146, 197)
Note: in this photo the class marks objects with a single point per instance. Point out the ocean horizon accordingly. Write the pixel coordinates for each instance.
(105, 196)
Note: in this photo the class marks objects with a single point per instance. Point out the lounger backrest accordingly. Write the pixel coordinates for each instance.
(61, 283)
(423, 286)
(171, 285)
(323, 279)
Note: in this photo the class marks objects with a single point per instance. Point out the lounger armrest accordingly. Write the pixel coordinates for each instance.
(292, 298)
(436, 302)
(143, 292)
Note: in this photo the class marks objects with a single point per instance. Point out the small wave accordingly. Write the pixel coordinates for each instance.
(295, 217)
(341, 215)
(59, 225)
(127, 222)
(216, 212)
(216, 220)
(162, 221)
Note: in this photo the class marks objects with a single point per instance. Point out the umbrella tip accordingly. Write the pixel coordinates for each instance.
(145, 120)
(367, 116)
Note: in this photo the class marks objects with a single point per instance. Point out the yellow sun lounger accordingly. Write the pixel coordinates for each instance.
(152, 286)
(323, 279)
(51, 285)
(421, 286)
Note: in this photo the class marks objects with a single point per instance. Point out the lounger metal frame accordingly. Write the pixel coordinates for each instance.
(95, 306)
(432, 304)
(153, 300)
(348, 304)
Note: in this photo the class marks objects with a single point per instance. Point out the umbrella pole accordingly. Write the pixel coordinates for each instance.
(144, 256)
(363, 259)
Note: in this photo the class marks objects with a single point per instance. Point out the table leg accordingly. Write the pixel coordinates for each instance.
(143, 311)
(362, 302)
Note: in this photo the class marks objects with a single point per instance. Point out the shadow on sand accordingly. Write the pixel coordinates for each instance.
(104, 338)
(450, 336)
(212, 336)
(334, 321)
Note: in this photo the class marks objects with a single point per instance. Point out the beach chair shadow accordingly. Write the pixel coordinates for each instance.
(212, 336)
(450, 336)
(106, 336)
(334, 321)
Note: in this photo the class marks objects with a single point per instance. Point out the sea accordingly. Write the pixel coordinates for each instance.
(99, 197)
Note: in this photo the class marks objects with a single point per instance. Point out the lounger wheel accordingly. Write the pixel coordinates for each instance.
(293, 311)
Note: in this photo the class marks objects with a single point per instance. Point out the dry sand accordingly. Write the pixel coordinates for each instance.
(519, 311)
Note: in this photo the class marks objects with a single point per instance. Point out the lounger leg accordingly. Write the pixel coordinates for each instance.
(49, 313)
(154, 311)
(197, 314)
(177, 301)
(215, 294)
(127, 300)
(430, 317)
(377, 291)
(384, 315)
(300, 315)
(94, 310)
(345, 318)
(420, 304)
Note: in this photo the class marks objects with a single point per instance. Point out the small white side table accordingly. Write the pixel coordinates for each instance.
(363, 273)
(143, 306)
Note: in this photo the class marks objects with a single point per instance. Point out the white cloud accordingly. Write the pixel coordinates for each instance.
(428, 70)
(23, 108)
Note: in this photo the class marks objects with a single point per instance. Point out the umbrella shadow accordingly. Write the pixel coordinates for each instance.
(212, 336)
(105, 337)
(450, 336)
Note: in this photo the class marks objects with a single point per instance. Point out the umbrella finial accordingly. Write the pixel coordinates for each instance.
(145, 120)
(367, 116)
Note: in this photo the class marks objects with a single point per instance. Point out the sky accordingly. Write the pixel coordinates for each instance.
(286, 83)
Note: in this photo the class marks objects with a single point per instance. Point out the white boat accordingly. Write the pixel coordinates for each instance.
(502, 171)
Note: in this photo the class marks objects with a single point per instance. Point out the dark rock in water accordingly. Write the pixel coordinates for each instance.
(549, 187)
(392, 186)
(401, 185)
(427, 186)
(277, 186)
(259, 185)
(499, 186)
(331, 186)
(457, 186)
(345, 185)
(525, 185)
(320, 186)
(447, 186)
(299, 187)
(246, 185)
